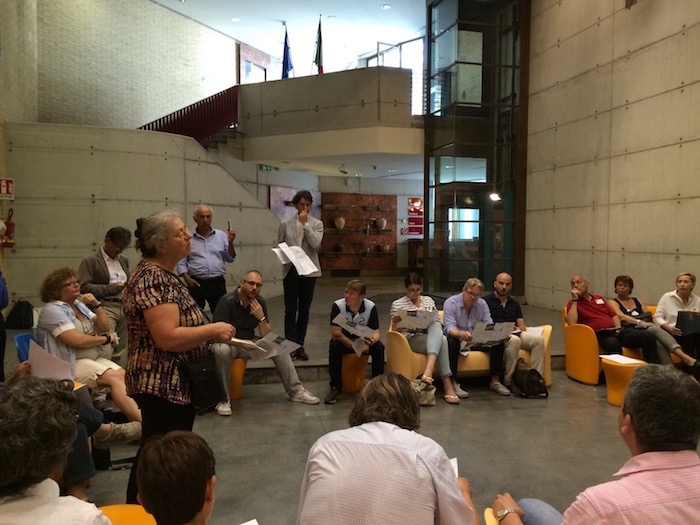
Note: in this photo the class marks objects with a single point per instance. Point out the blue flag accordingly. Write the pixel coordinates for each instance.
(286, 57)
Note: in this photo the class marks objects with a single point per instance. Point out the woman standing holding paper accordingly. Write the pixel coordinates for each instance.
(307, 232)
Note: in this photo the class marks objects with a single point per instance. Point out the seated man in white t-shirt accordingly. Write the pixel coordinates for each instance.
(40, 415)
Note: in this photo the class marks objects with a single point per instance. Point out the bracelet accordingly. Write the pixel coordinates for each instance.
(262, 319)
(107, 338)
(95, 306)
(574, 300)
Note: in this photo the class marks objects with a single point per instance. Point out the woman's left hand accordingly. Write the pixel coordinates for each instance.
(89, 300)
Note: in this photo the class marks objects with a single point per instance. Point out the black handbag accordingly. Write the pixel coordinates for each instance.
(204, 383)
(527, 382)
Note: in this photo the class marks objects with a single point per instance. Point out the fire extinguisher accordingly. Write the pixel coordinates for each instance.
(8, 240)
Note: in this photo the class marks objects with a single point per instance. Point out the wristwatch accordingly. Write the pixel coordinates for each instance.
(504, 512)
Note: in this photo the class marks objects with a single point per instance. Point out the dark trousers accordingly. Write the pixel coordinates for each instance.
(159, 417)
(609, 342)
(495, 356)
(3, 341)
(298, 294)
(690, 344)
(210, 290)
(336, 351)
(80, 466)
(640, 338)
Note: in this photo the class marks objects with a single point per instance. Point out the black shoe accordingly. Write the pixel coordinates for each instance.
(300, 354)
(693, 370)
(333, 396)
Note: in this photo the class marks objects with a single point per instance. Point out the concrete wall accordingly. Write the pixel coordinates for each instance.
(613, 146)
(124, 63)
(74, 182)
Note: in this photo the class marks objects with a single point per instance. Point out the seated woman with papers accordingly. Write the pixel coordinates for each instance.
(74, 327)
(416, 316)
(669, 316)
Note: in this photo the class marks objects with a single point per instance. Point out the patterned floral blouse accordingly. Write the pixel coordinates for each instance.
(152, 370)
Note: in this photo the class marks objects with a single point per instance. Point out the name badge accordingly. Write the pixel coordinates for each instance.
(599, 301)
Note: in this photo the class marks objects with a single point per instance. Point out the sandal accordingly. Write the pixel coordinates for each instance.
(427, 380)
(451, 399)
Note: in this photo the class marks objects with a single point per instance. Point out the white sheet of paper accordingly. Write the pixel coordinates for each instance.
(359, 346)
(281, 256)
(297, 256)
(359, 330)
(537, 330)
(453, 462)
(251, 522)
(415, 319)
(277, 345)
(47, 366)
(621, 359)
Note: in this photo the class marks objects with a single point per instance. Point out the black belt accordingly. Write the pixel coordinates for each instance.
(213, 279)
(111, 300)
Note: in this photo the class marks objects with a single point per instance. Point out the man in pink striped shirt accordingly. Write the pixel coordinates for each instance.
(660, 424)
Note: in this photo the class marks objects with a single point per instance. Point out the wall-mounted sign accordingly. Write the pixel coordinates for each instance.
(7, 189)
(415, 217)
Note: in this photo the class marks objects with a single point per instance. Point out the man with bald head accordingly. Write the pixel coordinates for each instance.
(204, 268)
(505, 309)
(593, 310)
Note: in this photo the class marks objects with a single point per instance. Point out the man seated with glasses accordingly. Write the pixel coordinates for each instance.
(246, 310)
(462, 312)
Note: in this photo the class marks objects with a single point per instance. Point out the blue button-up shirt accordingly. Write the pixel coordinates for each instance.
(455, 314)
(208, 256)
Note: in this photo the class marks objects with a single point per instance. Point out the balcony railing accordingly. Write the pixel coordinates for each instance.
(203, 119)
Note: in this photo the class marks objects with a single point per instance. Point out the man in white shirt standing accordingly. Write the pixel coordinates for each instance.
(104, 274)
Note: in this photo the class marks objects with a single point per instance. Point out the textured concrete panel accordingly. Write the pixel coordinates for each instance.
(580, 141)
(670, 64)
(585, 184)
(583, 96)
(583, 228)
(669, 227)
(649, 22)
(656, 122)
(656, 174)
(576, 55)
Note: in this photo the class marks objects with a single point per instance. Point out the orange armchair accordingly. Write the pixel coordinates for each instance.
(582, 352)
(400, 359)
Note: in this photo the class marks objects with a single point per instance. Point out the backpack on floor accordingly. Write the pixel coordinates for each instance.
(527, 382)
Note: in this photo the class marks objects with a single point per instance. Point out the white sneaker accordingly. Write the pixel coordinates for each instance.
(304, 396)
(462, 394)
(224, 408)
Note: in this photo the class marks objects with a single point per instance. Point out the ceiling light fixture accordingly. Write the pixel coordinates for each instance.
(495, 197)
(235, 19)
(342, 169)
(385, 7)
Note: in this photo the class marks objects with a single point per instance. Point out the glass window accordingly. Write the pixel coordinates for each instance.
(463, 224)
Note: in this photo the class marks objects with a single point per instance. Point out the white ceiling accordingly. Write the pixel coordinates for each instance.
(350, 29)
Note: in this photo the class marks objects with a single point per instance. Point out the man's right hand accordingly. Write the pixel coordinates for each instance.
(575, 294)
(191, 283)
(465, 335)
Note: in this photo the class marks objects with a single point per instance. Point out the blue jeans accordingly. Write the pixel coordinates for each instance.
(433, 343)
(537, 512)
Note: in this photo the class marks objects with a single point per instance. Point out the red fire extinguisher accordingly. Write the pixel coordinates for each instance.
(9, 240)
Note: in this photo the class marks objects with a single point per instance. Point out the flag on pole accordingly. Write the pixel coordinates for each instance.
(286, 56)
(318, 57)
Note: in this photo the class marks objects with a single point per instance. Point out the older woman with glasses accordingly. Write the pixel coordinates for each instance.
(74, 327)
(164, 325)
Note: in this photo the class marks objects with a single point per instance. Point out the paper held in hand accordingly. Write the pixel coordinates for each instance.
(486, 335)
(266, 347)
(414, 319)
(360, 330)
(296, 256)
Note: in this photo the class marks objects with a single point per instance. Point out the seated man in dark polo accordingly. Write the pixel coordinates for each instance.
(362, 312)
(103, 274)
(246, 310)
(505, 309)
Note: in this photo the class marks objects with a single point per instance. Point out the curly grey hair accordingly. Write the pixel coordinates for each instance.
(153, 230)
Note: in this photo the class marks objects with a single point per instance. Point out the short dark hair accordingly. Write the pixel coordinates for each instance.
(664, 404)
(624, 279)
(357, 286)
(389, 398)
(38, 429)
(172, 476)
(412, 278)
(302, 194)
(53, 283)
(119, 234)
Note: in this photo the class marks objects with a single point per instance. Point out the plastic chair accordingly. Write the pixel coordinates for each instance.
(22, 344)
(354, 371)
(582, 352)
(238, 366)
(489, 517)
(400, 359)
(128, 515)
(618, 377)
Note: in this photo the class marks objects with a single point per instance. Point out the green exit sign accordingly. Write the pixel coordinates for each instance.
(265, 167)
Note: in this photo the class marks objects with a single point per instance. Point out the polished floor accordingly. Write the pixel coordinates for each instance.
(550, 449)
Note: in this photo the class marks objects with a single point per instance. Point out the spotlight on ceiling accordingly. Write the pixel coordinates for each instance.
(495, 197)
(342, 169)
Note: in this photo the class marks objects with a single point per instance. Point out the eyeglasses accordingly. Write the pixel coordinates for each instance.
(472, 294)
(71, 283)
(184, 232)
(253, 284)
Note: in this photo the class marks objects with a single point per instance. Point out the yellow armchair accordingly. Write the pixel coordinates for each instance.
(582, 352)
(400, 359)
